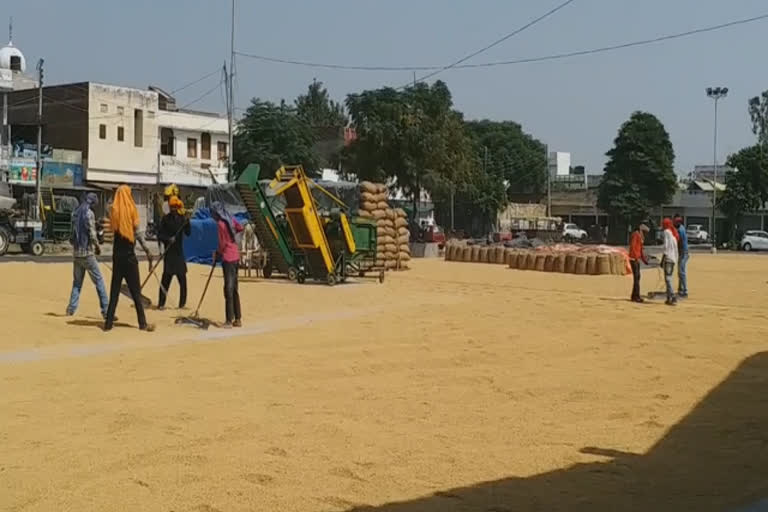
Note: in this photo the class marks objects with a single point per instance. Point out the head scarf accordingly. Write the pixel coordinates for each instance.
(124, 217)
(171, 190)
(81, 225)
(218, 212)
(644, 228)
(175, 203)
(668, 224)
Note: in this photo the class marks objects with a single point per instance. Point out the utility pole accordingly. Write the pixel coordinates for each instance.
(715, 94)
(549, 180)
(231, 98)
(39, 171)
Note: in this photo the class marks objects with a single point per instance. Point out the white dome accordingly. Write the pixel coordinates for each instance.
(6, 55)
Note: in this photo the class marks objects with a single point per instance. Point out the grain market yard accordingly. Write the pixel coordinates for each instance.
(451, 387)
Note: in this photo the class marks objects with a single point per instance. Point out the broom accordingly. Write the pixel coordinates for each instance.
(195, 319)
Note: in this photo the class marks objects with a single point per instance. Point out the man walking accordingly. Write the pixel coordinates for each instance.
(85, 244)
(671, 255)
(636, 255)
(682, 264)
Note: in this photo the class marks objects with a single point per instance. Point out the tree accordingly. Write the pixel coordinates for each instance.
(273, 135)
(746, 184)
(411, 136)
(512, 155)
(758, 113)
(639, 175)
(317, 109)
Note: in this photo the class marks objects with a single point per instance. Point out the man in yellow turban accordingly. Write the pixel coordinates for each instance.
(173, 227)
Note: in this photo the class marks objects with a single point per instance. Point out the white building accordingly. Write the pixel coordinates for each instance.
(559, 164)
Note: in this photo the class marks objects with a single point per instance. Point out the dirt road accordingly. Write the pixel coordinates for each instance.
(451, 387)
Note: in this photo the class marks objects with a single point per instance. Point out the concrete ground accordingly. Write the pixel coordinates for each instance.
(451, 387)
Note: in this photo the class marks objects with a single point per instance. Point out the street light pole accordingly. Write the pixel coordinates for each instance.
(716, 94)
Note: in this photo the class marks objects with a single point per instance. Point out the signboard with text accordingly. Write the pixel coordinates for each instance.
(55, 174)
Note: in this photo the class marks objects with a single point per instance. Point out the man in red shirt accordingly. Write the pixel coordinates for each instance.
(636, 255)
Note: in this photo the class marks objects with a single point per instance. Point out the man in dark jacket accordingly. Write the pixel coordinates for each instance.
(173, 227)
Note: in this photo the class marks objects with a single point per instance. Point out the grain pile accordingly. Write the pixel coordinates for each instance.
(600, 261)
(392, 234)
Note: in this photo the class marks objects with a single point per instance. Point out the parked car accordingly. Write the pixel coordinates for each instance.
(754, 241)
(574, 232)
(696, 234)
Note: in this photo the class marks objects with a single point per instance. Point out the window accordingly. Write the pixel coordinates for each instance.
(222, 149)
(121, 111)
(120, 134)
(102, 131)
(205, 146)
(104, 108)
(167, 142)
(138, 128)
(15, 63)
(191, 148)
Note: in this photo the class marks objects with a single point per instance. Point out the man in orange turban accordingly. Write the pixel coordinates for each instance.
(174, 264)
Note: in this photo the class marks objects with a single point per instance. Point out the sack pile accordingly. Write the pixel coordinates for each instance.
(576, 262)
(392, 235)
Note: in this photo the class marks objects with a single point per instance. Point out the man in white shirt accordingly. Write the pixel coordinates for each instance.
(669, 260)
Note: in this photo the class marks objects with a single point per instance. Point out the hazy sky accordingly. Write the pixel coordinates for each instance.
(573, 105)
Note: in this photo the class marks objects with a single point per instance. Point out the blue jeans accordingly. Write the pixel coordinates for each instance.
(669, 270)
(79, 267)
(682, 275)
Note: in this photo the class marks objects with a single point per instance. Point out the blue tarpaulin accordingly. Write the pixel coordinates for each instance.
(203, 240)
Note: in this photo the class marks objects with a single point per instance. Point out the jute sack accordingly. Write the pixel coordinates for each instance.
(390, 213)
(380, 232)
(367, 197)
(591, 263)
(559, 265)
(540, 259)
(531, 259)
(466, 254)
(501, 255)
(570, 263)
(400, 213)
(386, 240)
(604, 264)
(513, 259)
(404, 256)
(382, 189)
(401, 223)
(371, 188)
(368, 206)
(475, 253)
(403, 239)
(581, 265)
(448, 252)
(390, 264)
(390, 248)
(403, 231)
(379, 214)
(483, 257)
(405, 248)
(622, 264)
(549, 262)
(364, 214)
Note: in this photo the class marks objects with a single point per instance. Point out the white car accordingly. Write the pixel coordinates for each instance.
(696, 234)
(573, 232)
(754, 241)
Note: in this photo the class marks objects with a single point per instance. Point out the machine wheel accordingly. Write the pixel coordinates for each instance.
(267, 271)
(747, 246)
(332, 279)
(5, 240)
(37, 249)
(381, 276)
(293, 273)
(301, 278)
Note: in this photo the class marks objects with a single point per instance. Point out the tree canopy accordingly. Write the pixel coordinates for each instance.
(639, 175)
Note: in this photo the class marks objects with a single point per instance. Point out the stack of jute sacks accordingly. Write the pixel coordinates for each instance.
(542, 260)
(392, 235)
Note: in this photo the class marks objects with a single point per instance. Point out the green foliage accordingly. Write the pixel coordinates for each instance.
(273, 135)
(758, 113)
(318, 110)
(513, 156)
(639, 175)
(746, 184)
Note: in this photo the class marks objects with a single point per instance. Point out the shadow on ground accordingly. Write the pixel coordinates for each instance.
(715, 459)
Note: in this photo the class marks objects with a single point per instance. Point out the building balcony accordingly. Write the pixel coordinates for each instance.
(192, 173)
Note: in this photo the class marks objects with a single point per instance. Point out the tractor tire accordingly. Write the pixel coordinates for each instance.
(37, 248)
(301, 278)
(5, 241)
(331, 279)
(293, 273)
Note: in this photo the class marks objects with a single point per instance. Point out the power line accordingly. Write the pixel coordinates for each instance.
(498, 41)
(525, 60)
(190, 84)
